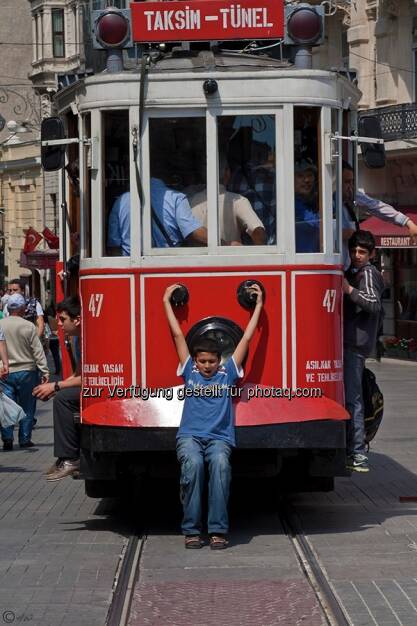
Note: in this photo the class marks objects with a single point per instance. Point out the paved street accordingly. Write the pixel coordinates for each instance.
(60, 550)
(365, 537)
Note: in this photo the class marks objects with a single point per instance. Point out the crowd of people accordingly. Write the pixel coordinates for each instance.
(26, 335)
(247, 210)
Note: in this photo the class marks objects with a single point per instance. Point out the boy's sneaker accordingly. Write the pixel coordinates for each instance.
(358, 463)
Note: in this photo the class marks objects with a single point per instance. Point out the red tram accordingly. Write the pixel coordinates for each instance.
(215, 126)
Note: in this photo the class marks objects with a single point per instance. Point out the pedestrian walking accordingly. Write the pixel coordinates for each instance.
(362, 288)
(33, 311)
(26, 360)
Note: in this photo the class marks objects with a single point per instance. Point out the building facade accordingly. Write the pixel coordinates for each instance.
(20, 109)
(382, 39)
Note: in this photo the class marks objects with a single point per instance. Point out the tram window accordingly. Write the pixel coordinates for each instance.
(307, 180)
(178, 168)
(336, 148)
(116, 183)
(247, 179)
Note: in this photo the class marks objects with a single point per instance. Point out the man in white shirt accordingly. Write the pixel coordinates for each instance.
(380, 209)
(236, 215)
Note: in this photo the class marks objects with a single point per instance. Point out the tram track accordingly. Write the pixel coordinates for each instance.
(314, 573)
(312, 569)
(118, 614)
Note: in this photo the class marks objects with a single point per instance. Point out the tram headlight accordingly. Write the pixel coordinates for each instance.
(222, 330)
(210, 87)
(304, 25)
(112, 29)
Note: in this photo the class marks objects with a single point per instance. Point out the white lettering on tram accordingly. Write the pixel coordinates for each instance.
(113, 368)
(236, 16)
(190, 19)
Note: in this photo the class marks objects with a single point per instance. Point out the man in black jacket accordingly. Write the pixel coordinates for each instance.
(362, 288)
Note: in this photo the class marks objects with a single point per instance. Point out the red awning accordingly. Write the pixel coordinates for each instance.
(389, 235)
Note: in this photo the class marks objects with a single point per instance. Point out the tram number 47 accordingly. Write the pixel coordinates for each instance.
(329, 300)
(95, 304)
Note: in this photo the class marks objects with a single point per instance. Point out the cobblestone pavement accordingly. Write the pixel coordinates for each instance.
(59, 549)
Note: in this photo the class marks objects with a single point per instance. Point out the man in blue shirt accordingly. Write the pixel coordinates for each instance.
(206, 432)
(173, 213)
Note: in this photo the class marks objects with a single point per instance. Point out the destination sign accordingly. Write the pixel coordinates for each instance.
(205, 20)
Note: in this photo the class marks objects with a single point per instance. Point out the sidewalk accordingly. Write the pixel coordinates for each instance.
(59, 549)
(365, 537)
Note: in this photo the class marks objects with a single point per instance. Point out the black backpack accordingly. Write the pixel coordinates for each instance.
(373, 404)
(30, 312)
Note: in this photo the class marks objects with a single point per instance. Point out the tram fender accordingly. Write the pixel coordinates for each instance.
(253, 407)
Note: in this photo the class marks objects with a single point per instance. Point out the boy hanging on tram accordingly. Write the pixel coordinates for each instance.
(362, 287)
(206, 432)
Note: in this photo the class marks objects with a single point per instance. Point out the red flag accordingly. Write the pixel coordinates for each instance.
(31, 240)
(51, 239)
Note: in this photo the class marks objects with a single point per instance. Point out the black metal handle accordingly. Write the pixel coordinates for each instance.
(247, 298)
(180, 296)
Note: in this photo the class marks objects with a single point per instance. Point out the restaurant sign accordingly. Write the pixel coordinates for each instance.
(395, 241)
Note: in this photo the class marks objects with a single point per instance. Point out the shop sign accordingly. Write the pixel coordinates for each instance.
(396, 241)
(207, 20)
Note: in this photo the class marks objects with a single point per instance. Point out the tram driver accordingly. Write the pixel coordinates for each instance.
(173, 223)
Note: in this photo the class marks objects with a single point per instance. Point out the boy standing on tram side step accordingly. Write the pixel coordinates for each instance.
(362, 287)
(206, 433)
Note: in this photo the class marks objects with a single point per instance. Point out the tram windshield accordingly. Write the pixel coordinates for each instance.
(188, 197)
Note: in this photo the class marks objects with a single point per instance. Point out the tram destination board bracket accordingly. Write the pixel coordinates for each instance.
(210, 20)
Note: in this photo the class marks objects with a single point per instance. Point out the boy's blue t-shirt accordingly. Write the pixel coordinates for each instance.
(208, 412)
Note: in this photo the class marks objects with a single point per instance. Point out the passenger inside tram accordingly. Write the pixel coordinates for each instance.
(236, 215)
(307, 205)
(307, 218)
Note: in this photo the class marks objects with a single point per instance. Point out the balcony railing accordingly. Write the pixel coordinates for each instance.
(397, 122)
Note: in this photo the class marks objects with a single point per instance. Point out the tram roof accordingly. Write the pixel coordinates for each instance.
(195, 63)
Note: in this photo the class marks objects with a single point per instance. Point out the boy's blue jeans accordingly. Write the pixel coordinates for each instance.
(353, 365)
(193, 453)
(19, 386)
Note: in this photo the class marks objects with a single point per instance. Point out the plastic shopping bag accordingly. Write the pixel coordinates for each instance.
(10, 412)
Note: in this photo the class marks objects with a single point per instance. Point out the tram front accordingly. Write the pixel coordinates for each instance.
(211, 169)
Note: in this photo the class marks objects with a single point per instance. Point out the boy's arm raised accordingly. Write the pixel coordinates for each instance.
(177, 334)
(243, 345)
